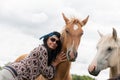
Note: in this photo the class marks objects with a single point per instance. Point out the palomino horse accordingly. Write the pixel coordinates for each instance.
(108, 55)
(71, 36)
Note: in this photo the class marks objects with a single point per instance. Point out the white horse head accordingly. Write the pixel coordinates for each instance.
(108, 49)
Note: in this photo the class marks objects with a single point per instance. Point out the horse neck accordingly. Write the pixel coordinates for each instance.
(64, 46)
(63, 69)
(114, 71)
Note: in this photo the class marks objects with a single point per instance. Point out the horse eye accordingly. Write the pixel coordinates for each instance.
(109, 49)
(67, 31)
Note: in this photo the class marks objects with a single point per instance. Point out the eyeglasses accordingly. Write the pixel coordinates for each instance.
(54, 40)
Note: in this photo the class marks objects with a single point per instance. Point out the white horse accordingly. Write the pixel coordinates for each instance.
(108, 55)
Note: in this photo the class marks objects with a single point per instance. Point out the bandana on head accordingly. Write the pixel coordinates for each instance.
(51, 34)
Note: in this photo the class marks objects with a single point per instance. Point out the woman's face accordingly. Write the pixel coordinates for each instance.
(52, 42)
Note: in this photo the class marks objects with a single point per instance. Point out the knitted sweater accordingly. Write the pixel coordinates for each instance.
(33, 65)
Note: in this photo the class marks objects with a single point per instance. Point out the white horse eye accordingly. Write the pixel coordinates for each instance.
(109, 49)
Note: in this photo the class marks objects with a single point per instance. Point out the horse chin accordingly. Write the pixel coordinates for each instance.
(72, 60)
(94, 73)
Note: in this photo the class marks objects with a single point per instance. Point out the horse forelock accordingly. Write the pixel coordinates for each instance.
(76, 21)
(108, 39)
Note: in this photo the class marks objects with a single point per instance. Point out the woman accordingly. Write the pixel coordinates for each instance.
(42, 60)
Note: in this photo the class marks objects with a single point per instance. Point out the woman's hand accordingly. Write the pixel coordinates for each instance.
(61, 57)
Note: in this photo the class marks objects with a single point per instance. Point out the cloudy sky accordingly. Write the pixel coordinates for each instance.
(22, 22)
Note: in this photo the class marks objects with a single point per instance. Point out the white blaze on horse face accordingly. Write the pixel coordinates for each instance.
(75, 27)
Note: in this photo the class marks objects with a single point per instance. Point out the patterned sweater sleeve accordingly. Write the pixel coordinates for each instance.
(45, 70)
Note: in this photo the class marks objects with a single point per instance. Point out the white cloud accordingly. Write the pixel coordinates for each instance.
(13, 43)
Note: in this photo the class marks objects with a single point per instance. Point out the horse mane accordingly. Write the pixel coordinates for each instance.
(76, 20)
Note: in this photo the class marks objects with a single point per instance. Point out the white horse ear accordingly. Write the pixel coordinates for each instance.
(100, 33)
(114, 34)
(65, 18)
(85, 20)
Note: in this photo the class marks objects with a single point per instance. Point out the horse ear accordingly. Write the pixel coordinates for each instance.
(114, 34)
(85, 20)
(65, 18)
(100, 33)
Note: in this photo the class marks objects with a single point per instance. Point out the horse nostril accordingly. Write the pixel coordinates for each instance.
(92, 68)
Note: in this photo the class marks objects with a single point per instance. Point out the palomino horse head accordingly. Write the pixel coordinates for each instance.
(107, 53)
(71, 36)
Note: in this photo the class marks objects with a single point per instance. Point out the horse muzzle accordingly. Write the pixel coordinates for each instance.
(94, 72)
(71, 56)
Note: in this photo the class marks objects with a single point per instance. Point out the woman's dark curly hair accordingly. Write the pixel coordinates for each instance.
(52, 54)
